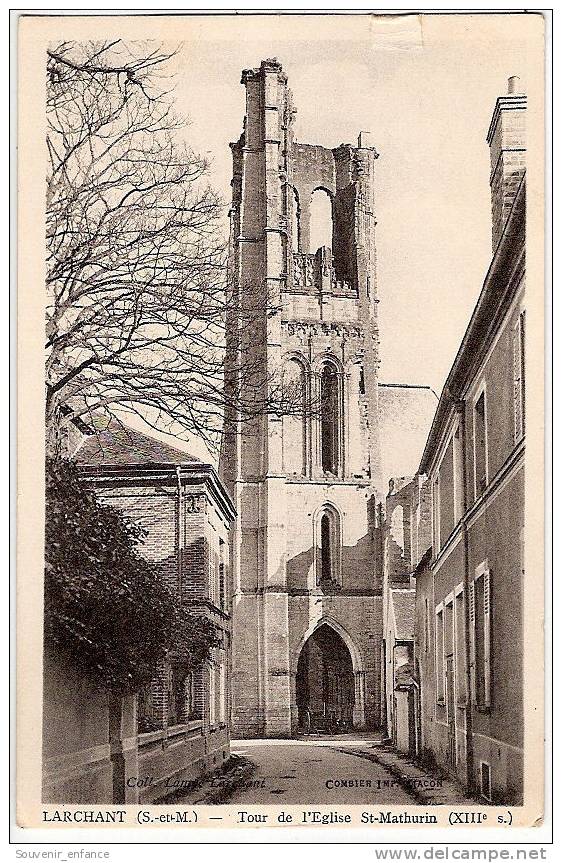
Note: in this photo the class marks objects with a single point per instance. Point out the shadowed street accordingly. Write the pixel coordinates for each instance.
(316, 770)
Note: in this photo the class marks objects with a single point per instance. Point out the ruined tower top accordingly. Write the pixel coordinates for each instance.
(298, 176)
(303, 233)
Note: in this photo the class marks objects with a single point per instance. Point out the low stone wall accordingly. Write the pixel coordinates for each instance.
(92, 753)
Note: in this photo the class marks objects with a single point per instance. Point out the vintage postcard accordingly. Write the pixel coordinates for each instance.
(281, 417)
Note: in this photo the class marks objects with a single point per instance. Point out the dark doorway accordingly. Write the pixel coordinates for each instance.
(325, 683)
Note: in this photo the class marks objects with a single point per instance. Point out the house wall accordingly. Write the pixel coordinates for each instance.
(486, 535)
(495, 536)
(186, 535)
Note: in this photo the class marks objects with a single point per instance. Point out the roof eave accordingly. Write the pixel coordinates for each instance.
(186, 470)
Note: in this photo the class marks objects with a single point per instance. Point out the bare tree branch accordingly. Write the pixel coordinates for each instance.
(137, 286)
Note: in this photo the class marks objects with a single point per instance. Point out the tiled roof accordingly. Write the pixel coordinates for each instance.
(404, 605)
(118, 444)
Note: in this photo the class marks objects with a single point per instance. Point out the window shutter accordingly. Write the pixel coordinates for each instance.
(439, 647)
(487, 641)
(472, 620)
(212, 691)
(198, 692)
(436, 517)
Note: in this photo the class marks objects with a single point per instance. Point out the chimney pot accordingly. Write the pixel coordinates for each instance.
(513, 85)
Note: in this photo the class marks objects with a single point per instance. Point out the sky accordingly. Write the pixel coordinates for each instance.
(425, 87)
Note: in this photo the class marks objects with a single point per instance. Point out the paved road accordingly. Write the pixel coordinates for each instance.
(317, 771)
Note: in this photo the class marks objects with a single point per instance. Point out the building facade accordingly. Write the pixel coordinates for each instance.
(137, 749)
(305, 549)
(405, 530)
(469, 591)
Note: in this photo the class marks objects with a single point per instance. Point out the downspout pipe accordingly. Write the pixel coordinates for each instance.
(179, 533)
(460, 406)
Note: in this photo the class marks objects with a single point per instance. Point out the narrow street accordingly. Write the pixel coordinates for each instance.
(323, 771)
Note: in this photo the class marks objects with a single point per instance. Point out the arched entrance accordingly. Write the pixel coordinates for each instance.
(325, 682)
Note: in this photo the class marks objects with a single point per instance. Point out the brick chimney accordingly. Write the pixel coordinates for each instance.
(506, 139)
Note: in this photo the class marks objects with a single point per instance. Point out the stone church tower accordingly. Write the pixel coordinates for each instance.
(306, 560)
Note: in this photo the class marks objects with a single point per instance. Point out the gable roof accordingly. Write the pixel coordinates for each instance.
(118, 444)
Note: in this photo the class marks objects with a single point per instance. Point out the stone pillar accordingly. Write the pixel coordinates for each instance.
(365, 222)
(123, 747)
(261, 700)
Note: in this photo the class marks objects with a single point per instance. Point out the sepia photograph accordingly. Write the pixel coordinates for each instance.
(276, 279)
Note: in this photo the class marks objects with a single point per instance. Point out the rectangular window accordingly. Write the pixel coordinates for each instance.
(439, 655)
(198, 693)
(426, 626)
(446, 495)
(458, 475)
(460, 648)
(448, 653)
(519, 376)
(480, 445)
(148, 717)
(190, 696)
(222, 573)
(486, 781)
(214, 577)
(180, 695)
(222, 691)
(480, 620)
(212, 694)
(436, 518)
(211, 576)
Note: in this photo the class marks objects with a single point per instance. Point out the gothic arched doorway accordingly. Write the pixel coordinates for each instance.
(325, 682)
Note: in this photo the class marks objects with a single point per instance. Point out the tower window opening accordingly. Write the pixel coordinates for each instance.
(361, 381)
(320, 220)
(329, 419)
(326, 573)
(295, 220)
(328, 549)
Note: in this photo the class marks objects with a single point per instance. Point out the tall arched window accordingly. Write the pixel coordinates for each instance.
(357, 448)
(320, 220)
(295, 220)
(326, 571)
(328, 546)
(329, 419)
(294, 425)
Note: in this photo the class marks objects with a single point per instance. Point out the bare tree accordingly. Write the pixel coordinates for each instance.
(136, 278)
